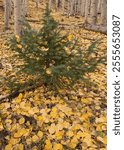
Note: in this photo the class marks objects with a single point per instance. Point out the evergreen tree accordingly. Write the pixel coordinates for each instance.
(54, 59)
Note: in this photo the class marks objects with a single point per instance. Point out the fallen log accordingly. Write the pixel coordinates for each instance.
(16, 93)
(96, 28)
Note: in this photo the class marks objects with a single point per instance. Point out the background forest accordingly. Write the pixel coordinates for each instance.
(53, 74)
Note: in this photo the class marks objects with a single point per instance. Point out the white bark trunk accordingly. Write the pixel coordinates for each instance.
(83, 2)
(93, 12)
(17, 16)
(63, 6)
(50, 4)
(87, 10)
(37, 3)
(72, 4)
(97, 28)
(7, 12)
(99, 7)
(104, 12)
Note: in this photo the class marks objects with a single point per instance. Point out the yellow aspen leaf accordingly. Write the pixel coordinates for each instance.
(18, 100)
(22, 104)
(13, 141)
(17, 38)
(46, 120)
(36, 98)
(103, 140)
(65, 124)
(86, 101)
(19, 46)
(72, 144)
(40, 134)
(61, 114)
(101, 119)
(6, 105)
(53, 114)
(88, 141)
(57, 146)
(20, 133)
(21, 120)
(70, 133)
(48, 71)
(20, 96)
(104, 127)
(59, 135)
(36, 110)
(28, 141)
(35, 138)
(8, 147)
(52, 128)
(8, 121)
(97, 107)
(70, 36)
(54, 109)
(84, 117)
(17, 135)
(34, 148)
(77, 127)
(1, 126)
(31, 112)
(99, 127)
(59, 127)
(48, 145)
(20, 147)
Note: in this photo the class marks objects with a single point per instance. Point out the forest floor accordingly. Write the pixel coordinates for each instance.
(37, 120)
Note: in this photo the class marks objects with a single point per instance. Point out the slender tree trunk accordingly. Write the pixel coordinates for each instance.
(37, 3)
(79, 6)
(93, 11)
(24, 8)
(72, 4)
(99, 7)
(63, 6)
(7, 9)
(104, 12)
(57, 5)
(17, 17)
(83, 2)
(11, 8)
(87, 10)
(50, 4)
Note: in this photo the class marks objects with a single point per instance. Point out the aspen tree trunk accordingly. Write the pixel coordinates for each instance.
(69, 7)
(75, 7)
(83, 2)
(37, 3)
(87, 10)
(7, 5)
(57, 5)
(17, 17)
(50, 4)
(11, 8)
(25, 7)
(104, 12)
(72, 4)
(79, 6)
(99, 7)
(93, 11)
(63, 6)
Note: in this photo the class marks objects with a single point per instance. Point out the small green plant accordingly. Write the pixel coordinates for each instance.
(56, 60)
